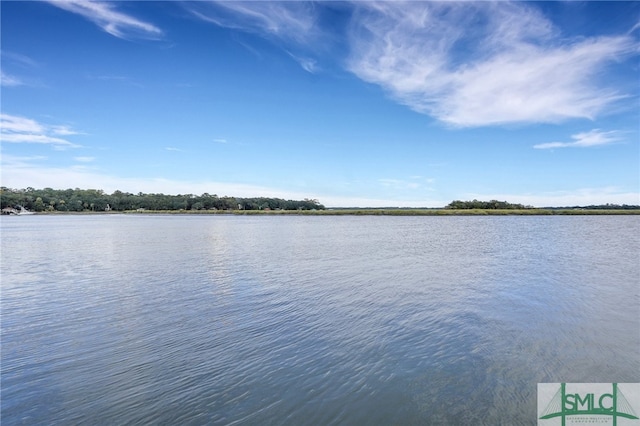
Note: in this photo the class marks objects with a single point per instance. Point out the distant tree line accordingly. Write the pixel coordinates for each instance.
(601, 207)
(503, 205)
(78, 200)
(493, 204)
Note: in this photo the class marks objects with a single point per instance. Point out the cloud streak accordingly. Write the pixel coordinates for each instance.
(109, 19)
(7, 80)
(595, 137)
(412, 184)
(292, 24)
(290, 21)
(310, 65)
(16, 129)
(16, 60)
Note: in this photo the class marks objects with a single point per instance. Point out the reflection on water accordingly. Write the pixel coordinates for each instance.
(311, 320)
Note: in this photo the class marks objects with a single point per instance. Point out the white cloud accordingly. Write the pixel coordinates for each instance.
(16, 124)
(84, 159)
(16, 129)
(30, 138)
(9, 80)
(64, 130)
(220, 140)
(170, 148)
(474, 64)
(595, 137)
(110, 20)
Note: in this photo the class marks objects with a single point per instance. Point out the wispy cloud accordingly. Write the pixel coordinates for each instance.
(474, 64)
(595, 137)
(412, 183)
(15, 60)
(221, 140)
(396, 183)
(285, 20)
(109, 19)
(19, 59)
(171, 148)
(22, 161)
(16, 124)
(84, 159)
(16, 129)
(291, 23)
(64, 130)
(310, 65)
(7, 80)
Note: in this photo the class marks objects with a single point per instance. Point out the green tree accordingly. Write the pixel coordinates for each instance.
(39, 205)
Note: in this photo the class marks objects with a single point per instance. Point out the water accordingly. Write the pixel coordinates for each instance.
(114, 319)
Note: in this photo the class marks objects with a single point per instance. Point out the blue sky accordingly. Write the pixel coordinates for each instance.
(365, 104)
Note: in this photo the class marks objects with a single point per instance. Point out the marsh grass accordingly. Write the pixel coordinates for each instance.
(397, 212)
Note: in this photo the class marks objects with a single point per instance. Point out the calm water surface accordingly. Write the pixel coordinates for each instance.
(116, 319)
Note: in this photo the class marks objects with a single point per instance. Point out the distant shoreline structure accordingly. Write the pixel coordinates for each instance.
(16, 211)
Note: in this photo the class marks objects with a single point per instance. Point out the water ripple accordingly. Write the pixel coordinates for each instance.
(311, 320)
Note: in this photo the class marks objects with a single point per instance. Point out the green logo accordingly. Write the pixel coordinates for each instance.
(588, 403)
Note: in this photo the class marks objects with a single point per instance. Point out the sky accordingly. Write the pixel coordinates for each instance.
(356, 104)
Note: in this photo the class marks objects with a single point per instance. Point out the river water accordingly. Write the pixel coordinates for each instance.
(145, 319)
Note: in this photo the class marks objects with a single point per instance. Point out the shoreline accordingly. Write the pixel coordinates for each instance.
(371, 212)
